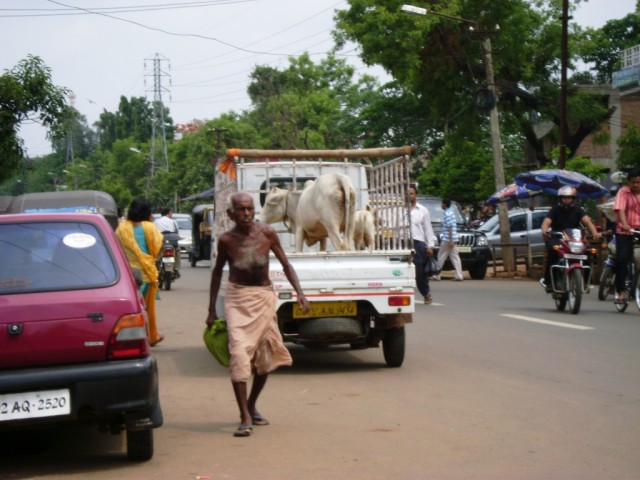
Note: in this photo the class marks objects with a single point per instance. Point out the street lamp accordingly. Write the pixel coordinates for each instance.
(498, 169)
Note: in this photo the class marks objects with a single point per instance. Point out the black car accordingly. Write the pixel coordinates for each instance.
(473, 246)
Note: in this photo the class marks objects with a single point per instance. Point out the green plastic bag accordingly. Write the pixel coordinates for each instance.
(216, 338)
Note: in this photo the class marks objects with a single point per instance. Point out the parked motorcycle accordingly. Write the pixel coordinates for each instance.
(167, 272)
(571, 275)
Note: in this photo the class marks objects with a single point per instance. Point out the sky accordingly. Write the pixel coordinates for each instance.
(206, 48)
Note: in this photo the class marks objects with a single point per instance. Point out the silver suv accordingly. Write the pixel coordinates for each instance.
(525, 226)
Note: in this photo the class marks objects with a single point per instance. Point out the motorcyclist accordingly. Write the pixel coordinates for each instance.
(566, 214)
(170, 231)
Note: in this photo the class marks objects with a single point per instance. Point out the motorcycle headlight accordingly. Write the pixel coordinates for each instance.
(575, 247)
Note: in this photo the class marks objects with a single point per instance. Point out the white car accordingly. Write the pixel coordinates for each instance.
(185, 231)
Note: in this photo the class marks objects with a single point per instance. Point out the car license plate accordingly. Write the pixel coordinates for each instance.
(571, 256)
(327, 309)
(168, 260)
(48, 403)
(464, 249)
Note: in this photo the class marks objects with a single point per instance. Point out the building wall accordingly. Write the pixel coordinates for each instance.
(627, 109)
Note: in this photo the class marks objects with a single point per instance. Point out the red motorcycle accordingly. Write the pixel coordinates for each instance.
(571, 274)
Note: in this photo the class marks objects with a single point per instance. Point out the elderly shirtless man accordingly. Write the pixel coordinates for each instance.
(255, 342)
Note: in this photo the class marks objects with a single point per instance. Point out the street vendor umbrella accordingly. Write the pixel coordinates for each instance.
(511, 192)
(549, 181)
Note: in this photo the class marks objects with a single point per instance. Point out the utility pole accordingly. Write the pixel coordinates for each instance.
(69, 154)
(496, 144)
(562, 160)
(508, 258)
(157, 123)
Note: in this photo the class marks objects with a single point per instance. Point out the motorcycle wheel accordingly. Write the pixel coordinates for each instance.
(607, 282)
(621, 307)
(575, 291)
(167, 282)
(561, 301)
(638, 293)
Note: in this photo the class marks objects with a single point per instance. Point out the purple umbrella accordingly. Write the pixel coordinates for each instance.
(511, 192)
(549, 181)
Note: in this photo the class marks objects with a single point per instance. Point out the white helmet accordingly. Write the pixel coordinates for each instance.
(567, 191)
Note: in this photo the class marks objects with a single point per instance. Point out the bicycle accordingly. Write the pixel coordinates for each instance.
(608, 277)
(632, 281)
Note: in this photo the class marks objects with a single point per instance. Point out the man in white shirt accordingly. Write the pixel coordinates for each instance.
(423, 242)
(166, 224)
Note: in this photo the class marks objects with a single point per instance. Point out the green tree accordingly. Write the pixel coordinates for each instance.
(27, 94)
(133, 119)
(629, 148)
(602, 47)
(440, 60)
(309, 105)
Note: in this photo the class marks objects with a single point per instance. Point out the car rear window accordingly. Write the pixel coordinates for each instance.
(48, 256)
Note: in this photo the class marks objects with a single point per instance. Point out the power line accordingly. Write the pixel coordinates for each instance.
(72, 11)
(176, 34)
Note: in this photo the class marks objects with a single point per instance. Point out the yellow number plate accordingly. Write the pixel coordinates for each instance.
(464, 249)
(327, 309)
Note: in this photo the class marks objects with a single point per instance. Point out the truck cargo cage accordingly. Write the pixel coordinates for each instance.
(383, 185)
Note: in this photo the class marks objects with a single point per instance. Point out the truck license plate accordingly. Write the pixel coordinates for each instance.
(327, 309)
(49, 403)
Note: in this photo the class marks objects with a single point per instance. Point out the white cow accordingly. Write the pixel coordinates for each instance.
(365, 230)
(327, 208)
(324, 208)
(280, 206)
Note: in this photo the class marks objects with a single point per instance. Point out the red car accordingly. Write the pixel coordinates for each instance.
(73, 330)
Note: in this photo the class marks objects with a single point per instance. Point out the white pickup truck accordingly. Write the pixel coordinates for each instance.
(359, 297)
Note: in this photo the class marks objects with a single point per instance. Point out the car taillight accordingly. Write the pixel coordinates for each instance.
(399, 301)
(129, 338)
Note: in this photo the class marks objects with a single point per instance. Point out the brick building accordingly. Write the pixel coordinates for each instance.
(624, 96)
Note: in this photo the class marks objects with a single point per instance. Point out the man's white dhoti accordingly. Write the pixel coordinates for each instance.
(254, 338)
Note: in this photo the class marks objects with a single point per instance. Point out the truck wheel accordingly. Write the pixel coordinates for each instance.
(393, 344)
(140, 445)
(478, 270)
(332, 328)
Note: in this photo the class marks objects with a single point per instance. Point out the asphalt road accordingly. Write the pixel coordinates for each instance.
(496, 385)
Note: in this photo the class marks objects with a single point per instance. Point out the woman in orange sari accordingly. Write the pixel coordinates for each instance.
(142, 241)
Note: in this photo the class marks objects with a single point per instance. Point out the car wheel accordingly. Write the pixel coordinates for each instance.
(140, 445)
(393, 346)
(478, 270)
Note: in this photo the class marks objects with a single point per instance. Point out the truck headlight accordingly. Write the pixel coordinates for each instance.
(481, 241)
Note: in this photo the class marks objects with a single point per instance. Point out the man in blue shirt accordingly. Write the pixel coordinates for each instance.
(449, 239)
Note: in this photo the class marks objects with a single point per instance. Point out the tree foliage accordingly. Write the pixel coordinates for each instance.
(440, 60)
(602, 47)
(26, 94)
(629, 149)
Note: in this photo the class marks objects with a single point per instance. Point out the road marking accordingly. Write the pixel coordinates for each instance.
(547, 322)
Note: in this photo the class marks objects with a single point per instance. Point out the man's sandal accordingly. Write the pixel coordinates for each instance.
(243, 430)
(258, 419)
